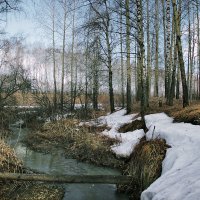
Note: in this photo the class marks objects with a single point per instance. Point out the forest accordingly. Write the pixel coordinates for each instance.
(107, 52)
(111, 85)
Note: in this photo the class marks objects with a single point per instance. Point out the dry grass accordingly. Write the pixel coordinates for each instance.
(22, 190)
(41, 192)
(154, 106)
(30, 191)
(4, 133)
(96, 129)
(24, 98)
(96, 149)
(78, 142)
(8, 163)
(6, 116)
(8, 160)
(134, 125)
(190, 114)
(145, 165)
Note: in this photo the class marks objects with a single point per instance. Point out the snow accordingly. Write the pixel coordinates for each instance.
(127, 141)
(180, 179)
(26, 107)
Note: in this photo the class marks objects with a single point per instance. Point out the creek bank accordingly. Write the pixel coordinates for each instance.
(77, 142)
(22, 190)
(154, 134)
(17, 190)
(80, 143)
(56, 164)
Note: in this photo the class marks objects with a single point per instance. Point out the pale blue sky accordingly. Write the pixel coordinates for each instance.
(22, 23)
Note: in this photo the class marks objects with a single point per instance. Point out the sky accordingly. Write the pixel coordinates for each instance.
(22, 23)
(25, 23)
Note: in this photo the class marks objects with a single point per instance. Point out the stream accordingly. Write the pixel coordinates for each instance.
(57, 164)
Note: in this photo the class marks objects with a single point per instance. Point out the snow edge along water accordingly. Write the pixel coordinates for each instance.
(180, 178)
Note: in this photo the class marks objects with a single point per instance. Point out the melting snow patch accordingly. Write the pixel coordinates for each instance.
(127, 141)
(180, 179)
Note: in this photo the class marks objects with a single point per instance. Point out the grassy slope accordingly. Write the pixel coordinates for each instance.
(145, 163)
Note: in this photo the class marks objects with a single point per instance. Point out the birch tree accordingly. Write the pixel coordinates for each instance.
(198, 37)
(102, 21)
(72, 66)
(177, 17)
(157, 48)
(141, 56)
(121, 54)
(128, 61)
(168, 66)
(148, 81)
(64, 26)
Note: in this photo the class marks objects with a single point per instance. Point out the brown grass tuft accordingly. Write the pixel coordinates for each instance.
(78, 142)
(189, 114)
(8, 163)
(145, 165)
(134, 125)
(8, 160)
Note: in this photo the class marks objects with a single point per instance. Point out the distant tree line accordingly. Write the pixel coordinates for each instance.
(129, 48)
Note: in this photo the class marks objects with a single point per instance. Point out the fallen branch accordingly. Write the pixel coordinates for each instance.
(103, 179)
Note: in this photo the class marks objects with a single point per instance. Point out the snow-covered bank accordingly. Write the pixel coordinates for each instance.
(127, 140)
(180, 179)
(114, 121)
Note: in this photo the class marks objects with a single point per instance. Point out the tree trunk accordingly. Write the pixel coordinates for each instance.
(180, 53)
(86, 75)
(139, 87)
(95, 76)
(189, 53)
(198, 36)
(178, 81)
(63, 57)
(164, 31)
(168, 46)
(122, 60)
(148, 81)
(141, 60)
(54, 62)
(192, 62)
(110, 74)
(157, 50)
(172, 88)
(104, 179)
(128, 92)
(95, 89)
(75, 83)
(72, 61)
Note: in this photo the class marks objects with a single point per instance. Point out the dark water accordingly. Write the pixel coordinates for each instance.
(57, 164)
